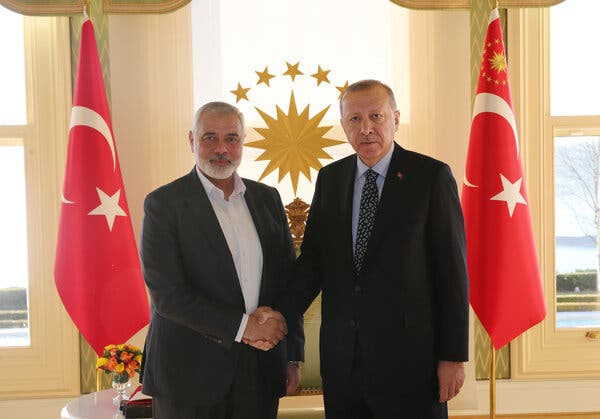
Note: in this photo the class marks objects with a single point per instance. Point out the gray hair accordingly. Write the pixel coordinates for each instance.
(366, 85)
(217, 107)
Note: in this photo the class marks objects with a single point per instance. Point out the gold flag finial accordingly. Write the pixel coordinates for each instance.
(87, 10)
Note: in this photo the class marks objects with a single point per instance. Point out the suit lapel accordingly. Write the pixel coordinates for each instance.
(346, 202)
(209, 230)
(260, 223)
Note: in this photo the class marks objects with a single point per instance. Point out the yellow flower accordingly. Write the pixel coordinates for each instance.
(120, 368)
(121, 347)
(109, 347)
(101, 362)
(138, 358)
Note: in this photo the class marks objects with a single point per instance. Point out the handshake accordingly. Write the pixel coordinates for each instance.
(265, 328)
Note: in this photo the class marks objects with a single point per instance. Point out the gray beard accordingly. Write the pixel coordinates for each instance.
(216, 172)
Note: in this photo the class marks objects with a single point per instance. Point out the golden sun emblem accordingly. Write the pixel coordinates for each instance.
(498, 62)
(293, 143)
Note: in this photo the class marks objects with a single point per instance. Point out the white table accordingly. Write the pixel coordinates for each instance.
(97, 405)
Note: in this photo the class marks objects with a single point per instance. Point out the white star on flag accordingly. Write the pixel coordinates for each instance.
(510, 194)
(109, 207)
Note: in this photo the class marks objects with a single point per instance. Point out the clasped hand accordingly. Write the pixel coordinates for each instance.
(265, 328)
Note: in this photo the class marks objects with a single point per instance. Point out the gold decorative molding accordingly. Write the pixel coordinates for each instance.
(466, 4)
(73, 7)
(433, 4)
(142, 6)
(44, 7)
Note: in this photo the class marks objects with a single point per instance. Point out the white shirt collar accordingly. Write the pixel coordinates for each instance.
(239, 188)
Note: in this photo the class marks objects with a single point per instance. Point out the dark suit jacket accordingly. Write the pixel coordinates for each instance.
(196, 299)
(408, 308)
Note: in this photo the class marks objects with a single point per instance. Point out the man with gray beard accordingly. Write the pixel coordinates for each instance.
(216, 252)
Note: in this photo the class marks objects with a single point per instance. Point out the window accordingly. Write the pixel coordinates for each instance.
(557, 96)
(577, 222)
(14, 324)
(12, 77)
(34, 109)
(575, 92)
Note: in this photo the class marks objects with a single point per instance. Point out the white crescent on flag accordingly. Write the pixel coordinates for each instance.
(488, 102)
(81, 115)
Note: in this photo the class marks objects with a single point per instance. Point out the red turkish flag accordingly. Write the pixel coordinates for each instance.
(97, 268)
(505, 288)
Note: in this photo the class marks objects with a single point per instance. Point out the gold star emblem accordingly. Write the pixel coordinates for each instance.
(342, 89)
(496, 81)
(498, 61)
(264, 76)
(240, 93)
(489, 78)
(321, 76)
(293, 143)
(292, 70)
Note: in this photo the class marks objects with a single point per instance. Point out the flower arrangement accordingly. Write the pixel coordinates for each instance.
(124, 360)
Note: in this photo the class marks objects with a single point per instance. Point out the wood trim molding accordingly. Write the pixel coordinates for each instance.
(73, 7)
(37, 8)
(132, 6)
(433, 4)
(466, 4)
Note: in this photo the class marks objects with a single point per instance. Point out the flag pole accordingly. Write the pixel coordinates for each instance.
(98, 380)
(493, 382)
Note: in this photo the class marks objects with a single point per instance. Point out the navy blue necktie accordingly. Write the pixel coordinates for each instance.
(369, 198)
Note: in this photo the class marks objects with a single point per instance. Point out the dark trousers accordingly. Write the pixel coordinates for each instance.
(358, 401)
(248, 397)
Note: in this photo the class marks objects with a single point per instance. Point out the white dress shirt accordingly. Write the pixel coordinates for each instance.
(242, 239)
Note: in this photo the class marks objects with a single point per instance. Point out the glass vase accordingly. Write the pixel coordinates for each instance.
(120, 383)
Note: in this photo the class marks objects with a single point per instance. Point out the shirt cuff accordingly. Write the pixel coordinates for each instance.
(242, 328)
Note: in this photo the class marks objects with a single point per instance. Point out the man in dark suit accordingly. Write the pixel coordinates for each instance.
(385, 244)
(215, 247)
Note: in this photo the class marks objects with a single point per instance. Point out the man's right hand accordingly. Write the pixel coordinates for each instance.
(265, 328)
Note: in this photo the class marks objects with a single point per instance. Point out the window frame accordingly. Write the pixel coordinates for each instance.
(50, 365)
(544, 351)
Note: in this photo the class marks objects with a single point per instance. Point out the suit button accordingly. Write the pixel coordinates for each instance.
(357, 289)
(353, 324)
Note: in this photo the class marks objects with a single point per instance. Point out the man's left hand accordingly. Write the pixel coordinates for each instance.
(294, 375)
(451, 376)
